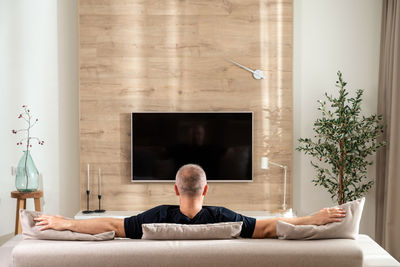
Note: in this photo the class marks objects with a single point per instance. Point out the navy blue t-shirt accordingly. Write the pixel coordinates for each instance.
(172, 214)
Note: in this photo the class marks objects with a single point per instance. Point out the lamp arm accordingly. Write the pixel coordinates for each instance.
(277, 164)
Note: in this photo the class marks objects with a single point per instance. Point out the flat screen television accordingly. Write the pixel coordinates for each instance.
(220, 142)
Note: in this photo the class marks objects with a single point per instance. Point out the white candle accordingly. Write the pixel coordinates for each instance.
(88, 168)
(99, 181)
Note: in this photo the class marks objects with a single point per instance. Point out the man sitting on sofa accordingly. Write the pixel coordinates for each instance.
(191, 188)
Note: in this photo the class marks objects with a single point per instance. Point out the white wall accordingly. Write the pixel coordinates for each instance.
(38, 67)
(68, 101)
(330, 36)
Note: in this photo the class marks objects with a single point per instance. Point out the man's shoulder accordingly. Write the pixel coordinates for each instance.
(160, 211)
(165, 206)
(223, 214)
(160, 208)
(218, 209)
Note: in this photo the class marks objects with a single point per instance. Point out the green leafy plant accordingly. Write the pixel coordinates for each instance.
(343, 140)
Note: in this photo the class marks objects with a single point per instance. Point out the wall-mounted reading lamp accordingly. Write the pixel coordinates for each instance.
(265, 165)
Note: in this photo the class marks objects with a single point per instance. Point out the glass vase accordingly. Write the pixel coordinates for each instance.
(27, 177)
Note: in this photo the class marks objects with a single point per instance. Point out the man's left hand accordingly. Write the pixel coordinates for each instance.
(327, 215)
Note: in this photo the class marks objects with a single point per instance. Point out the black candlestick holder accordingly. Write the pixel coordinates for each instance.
(99, 210)
(87, 202)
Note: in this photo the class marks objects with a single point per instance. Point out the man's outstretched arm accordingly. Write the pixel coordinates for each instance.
(267, 228)
(90, 226)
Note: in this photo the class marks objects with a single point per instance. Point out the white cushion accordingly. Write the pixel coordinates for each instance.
(31, 231)
(162, 231)
(347, 228)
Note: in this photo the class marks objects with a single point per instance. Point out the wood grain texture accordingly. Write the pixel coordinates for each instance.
(156, 55)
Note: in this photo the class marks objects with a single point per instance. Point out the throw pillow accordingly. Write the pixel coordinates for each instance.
(347, 228)
(31, 231)
(162, 231)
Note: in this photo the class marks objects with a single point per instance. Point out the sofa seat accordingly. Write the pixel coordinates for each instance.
(233, 252)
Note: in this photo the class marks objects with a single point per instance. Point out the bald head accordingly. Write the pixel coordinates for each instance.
(191, 180)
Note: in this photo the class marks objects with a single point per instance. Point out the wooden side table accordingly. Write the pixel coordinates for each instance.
(21, 204)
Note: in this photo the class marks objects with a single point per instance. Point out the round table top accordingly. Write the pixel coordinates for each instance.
(25, 195)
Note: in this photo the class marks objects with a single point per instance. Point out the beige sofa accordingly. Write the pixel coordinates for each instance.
(233, 252)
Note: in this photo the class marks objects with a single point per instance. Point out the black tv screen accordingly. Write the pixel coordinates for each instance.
(220, 142)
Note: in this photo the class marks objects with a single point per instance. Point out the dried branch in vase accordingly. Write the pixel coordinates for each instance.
(26, 115)
(27, 175)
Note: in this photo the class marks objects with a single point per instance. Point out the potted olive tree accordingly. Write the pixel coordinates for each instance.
(343, 140)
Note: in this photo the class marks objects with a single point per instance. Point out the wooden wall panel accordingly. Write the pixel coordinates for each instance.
(156, 55)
